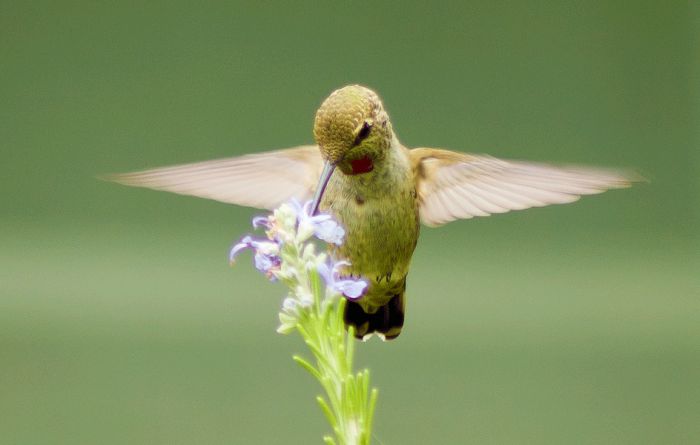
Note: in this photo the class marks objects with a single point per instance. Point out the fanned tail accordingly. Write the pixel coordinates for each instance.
(387, 321)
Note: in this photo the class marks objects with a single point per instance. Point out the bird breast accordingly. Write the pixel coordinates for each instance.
(379, 212)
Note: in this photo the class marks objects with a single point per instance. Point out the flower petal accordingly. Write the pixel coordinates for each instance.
(351, 289)
(263, 262)
(338, 264)
(244, 243)
(326, 272)
(261, 221)
(266, 247)
(329, 231)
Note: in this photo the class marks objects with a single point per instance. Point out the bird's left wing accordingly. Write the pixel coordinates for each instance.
(455, 185)
(262, 180)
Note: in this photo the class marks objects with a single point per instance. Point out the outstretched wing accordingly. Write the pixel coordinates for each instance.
(455, 185)
(263, 180)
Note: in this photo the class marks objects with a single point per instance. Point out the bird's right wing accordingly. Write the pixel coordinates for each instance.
(262, 180)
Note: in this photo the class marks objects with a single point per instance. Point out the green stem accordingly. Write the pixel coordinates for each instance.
(349, 403)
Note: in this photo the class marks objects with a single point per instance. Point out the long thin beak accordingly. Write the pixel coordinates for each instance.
(321, 187)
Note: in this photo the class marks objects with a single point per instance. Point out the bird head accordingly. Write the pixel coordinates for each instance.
(350, 124)
(352, 131)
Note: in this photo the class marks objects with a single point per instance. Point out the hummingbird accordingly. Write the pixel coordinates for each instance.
(380, 191)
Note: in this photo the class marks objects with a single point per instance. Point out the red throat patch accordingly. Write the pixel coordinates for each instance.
(362, 165)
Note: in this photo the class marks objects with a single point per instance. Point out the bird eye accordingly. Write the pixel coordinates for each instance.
(363, 133)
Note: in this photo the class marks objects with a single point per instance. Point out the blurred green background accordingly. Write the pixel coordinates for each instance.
(121, 321)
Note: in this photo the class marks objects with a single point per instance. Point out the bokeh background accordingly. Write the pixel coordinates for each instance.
(121, 321)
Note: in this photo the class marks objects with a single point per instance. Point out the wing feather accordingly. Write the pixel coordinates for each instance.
(263, 180)
(455, 185)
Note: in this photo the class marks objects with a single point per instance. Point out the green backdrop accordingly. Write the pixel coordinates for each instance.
(121, 321)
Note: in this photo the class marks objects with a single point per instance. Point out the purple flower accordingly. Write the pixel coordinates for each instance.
(322, 226)
(262, 221)
(350, 288)
(329, 231)
(266, 259)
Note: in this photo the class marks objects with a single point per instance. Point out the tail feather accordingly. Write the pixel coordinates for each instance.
(387, 320)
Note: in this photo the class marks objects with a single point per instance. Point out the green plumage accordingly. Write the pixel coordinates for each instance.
(379, 212)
